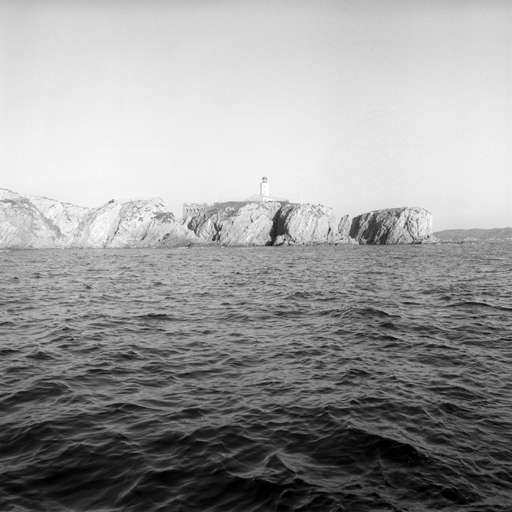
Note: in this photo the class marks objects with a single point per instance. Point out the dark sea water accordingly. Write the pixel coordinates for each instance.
(349, 378)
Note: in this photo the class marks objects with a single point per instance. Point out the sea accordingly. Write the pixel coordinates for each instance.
(319, 378)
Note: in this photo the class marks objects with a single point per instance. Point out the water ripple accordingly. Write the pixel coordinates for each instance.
(301, 379)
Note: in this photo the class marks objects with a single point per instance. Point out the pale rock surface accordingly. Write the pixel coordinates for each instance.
(65, 216)
(266, 223)
(305, 224)
(22, 225)
(145, 223)
(99, 227)
(393, 226)
(149, 224)
(235, 223)
(251, 226)
(130, 224)
(344, 225)
(38, 222)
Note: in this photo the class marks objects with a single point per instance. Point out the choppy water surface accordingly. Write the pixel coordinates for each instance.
(257, 379)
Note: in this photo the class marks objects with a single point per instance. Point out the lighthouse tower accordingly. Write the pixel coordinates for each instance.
(264, 189)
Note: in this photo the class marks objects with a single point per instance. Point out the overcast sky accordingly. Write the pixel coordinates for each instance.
(358, 105)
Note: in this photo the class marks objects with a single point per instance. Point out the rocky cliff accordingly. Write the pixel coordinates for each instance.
(270, 223)
(393, 226)
(306, 224)
(144, 223)
(235, 223)
(37, 222)
(65, 217)
(246, 223)
(23, 226)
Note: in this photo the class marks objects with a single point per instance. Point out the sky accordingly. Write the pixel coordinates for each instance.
(354, 104)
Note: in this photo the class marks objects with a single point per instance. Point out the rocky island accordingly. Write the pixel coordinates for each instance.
(38, 223)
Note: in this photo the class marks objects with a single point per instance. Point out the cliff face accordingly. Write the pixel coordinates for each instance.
(23, 226)
(291, 224)
(344, 225)
(38, 222)
(64, 216)
(235, 223)
(305, 224)
(393, 226)
(272, 223)
(132, 224)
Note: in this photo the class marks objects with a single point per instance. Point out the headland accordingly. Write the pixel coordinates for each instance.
(37, 222)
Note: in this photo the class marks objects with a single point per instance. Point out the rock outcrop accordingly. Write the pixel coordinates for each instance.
(235, 223)
(65, 217)
(344, 225)
(393, 226)
(305, 224)
(23, 226)
(144, 223)
(38, 222)
(266, 223)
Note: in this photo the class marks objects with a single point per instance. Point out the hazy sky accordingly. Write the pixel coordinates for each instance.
(364, 104)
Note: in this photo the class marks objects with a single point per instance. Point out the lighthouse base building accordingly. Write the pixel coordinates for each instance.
(264, 195)
(192, 209)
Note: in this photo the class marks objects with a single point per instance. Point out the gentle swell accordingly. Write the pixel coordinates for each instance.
(299, 379)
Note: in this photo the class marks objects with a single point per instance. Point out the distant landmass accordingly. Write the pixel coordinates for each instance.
(475, 235)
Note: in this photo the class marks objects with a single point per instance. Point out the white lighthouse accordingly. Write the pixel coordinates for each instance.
(264, 195)
(264, 189)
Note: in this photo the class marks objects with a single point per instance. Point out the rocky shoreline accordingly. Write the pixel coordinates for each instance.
(40, 223)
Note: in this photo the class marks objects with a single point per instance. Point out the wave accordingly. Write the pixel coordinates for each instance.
(304, 379)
